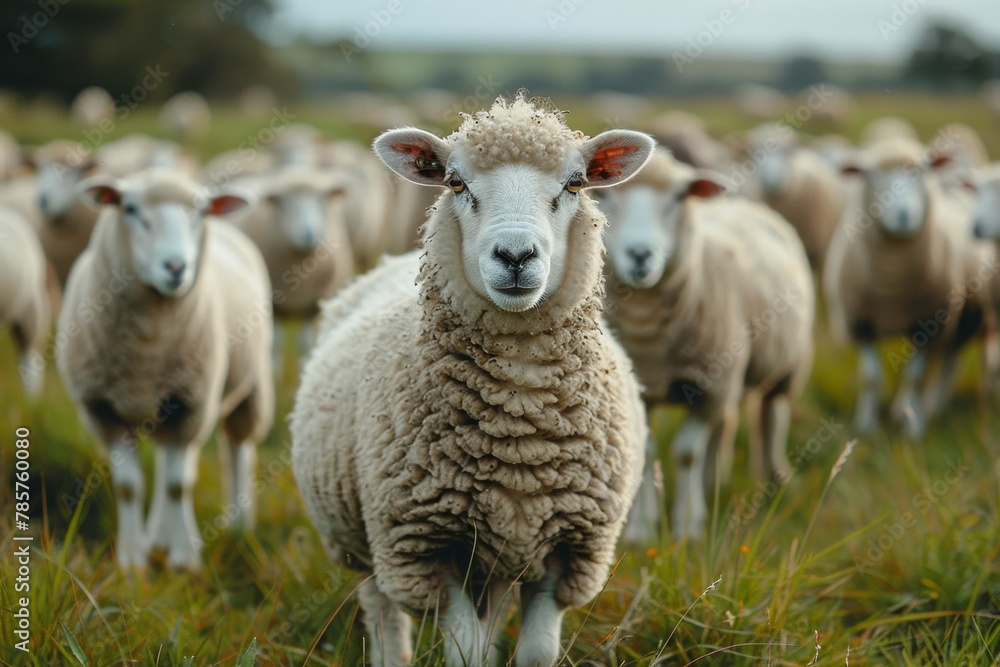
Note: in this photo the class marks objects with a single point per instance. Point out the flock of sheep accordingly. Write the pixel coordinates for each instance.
(472, 409)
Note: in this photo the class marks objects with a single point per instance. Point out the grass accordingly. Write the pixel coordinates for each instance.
(895, 559)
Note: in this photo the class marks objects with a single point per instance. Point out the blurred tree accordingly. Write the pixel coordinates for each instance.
(62, 46)
(801, 72)
(946, 58)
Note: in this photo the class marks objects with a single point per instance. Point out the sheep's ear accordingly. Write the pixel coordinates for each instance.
(706, 186)
(225, 204)
(615, 156)
(851, 169)
(940, 160)
(416, 155)
(101, 191)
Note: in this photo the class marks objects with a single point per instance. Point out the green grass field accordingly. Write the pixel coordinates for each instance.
(893, 560)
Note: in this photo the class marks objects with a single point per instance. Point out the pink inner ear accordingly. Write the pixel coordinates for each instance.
(104, 194)
(940, 161)
(224, 204)
(705, 188)
(425, 162)
(608, 163)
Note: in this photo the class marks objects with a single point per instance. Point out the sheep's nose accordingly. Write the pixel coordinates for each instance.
(515, 259)
(904, 220)
(640, 255)
(175, 267)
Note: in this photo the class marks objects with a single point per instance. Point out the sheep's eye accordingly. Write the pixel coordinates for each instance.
(456, 184)
(130, 209)
(574, 184)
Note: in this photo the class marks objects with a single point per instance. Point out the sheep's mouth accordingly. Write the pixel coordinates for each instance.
(516, 298)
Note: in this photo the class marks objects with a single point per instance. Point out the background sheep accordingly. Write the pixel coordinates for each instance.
(886, 128)
(799, 184)
(92, 105)
(186, 116)
(24, 301)
(710, 299)
(176, 351)
(901, 268)
(488, 424)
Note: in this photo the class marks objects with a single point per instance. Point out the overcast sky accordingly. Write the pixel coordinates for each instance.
(828, 28)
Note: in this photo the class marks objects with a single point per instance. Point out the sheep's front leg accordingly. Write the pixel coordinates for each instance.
(240, 462)
(775, 421)
(870, 375)
(172, 523)
(388, 628)
(126, 473)
(939, 391)
(907, 408)
(541, 623)
(644, 515)
(690, 446)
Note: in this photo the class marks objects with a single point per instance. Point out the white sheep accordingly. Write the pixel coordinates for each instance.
(299, 225)
(759, 101)
(367, 202)
(181, 344)
(688, 139)
(885, 128)
(483, 423)
(186, 116)
(91, 106)
(712, 298)
(900, 265)
(24, 299)
(799, 184)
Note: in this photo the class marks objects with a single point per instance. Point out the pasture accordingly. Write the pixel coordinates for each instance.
(887, 552)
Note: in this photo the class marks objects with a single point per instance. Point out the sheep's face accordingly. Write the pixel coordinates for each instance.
(649, 226)
(305, 214)
(164, 236)
(515, 219)
(57, 183)
(986, 219)
(896, 196)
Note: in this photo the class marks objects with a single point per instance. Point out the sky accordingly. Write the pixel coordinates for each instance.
(831, 29)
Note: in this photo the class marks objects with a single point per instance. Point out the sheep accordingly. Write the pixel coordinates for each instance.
(688, 139)
(835, 106)
(407, 212)
(256, 102)
(799, 184)
(182, 345)
(136, 152)
(186, 116)
(299, 226)
(712, 298)
(900, 265)
(91, 106)
(367, 203)
(484, 421)
(24, 299)
(885, 128)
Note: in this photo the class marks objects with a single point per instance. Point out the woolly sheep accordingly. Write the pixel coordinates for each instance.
(92, 105)
(687, 138)
(24, 300)
(367, 203)
(298, 223)
(712, 298)
(885, 128)
(483, 422)
(835, 105)
(900, 265)
(758, 101)
(182, 345)
(799, 184)
(186, 116)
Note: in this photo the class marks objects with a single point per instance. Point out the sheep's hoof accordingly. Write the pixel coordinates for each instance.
(157, 557)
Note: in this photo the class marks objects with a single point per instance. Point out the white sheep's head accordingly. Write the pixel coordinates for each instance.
(648, 225)
(61, 166)
(162, 218)
(515, 213)
(895, 176)
(303, 198)
(770, 146)
(986, 217)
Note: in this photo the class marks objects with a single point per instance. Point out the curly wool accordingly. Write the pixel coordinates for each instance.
(515, 131)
